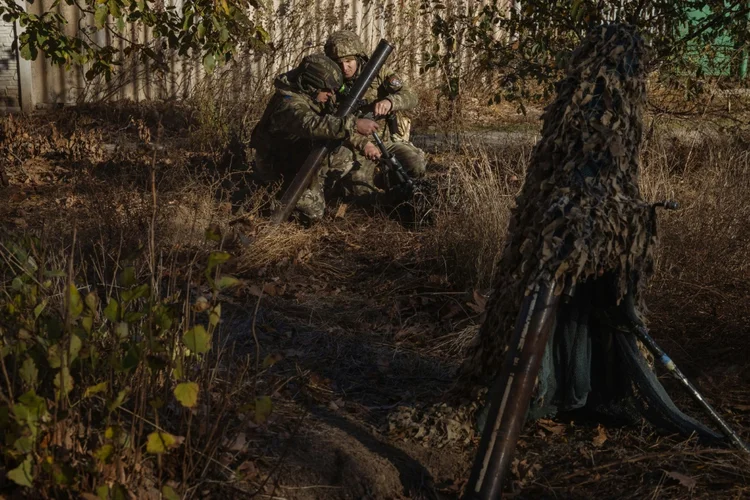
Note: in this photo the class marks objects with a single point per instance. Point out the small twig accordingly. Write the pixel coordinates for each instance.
(311, 487)
(160, 429)
(257, 343)
(7, 381)
(668, 454)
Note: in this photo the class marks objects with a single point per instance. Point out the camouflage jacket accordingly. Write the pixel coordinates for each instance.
(403, 99)
(292, 124)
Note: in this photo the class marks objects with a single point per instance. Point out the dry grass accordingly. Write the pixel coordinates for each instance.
(370, 296)
(477, 192)
(707, 239)
(708, 174)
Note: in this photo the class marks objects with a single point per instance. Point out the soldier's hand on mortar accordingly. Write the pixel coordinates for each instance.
(383, 107)
(365, 126)
(371, 151)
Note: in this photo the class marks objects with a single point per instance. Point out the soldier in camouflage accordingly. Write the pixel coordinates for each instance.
(385, 100)
(296, 120)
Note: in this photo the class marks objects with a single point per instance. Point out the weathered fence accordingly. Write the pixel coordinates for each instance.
(296, 27)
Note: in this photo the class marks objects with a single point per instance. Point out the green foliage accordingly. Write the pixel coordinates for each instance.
(169, 494)
(187, 394)
(74, 354)
(263, 408)
(531, 43)
(197, 339)
(160, 442)
(215, 31)
(22, 475)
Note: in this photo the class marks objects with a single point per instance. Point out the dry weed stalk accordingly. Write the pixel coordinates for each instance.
(476, 195)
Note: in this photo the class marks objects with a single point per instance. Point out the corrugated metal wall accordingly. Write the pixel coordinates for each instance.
(296, 27)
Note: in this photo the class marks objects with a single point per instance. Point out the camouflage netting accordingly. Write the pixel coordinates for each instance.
(580, 213)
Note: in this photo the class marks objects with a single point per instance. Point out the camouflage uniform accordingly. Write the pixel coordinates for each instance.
(386, 85)
(294, 123)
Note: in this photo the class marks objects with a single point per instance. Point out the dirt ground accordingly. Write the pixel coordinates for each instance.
(380, 352)
(360, 333)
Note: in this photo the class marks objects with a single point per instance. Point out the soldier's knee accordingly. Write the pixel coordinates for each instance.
(412, 158)
(363, 180)
(312, 204)
(416, 168)
(341, 161)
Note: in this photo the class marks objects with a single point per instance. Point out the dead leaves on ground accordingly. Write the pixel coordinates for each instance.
(600, 437)
(555, 428)
(523, 471)
(549, 428)
(479, 304)
(686, 481)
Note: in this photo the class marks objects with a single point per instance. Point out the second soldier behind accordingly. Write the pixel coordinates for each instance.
(386, 100)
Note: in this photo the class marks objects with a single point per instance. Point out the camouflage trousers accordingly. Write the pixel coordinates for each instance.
(411, 157)
(344, 171)
(351, 175)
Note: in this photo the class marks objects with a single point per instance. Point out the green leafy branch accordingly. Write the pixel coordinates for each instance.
(214, 31)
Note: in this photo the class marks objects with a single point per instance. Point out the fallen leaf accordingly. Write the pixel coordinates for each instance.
(600, 438)
(551, 426)
(239, 443)
(687, 481)
(247, 470)
(255, 290)
(272, 359)
(341, 211)
(453, 310)
(320, 382)
(270, 289)
(303, 256)
(479, 303)
(435, 279)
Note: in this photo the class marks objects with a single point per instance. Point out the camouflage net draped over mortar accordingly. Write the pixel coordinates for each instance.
(580, 212)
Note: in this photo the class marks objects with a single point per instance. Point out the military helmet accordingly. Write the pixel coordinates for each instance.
(318, 72)
(344, 44)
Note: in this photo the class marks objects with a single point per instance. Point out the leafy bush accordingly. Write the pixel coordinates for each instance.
(107, 379)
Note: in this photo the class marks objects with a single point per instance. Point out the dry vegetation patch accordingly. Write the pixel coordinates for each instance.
(341, 337)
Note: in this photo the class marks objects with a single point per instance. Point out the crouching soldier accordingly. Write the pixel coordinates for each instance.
(299, 118)
(385, 100)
